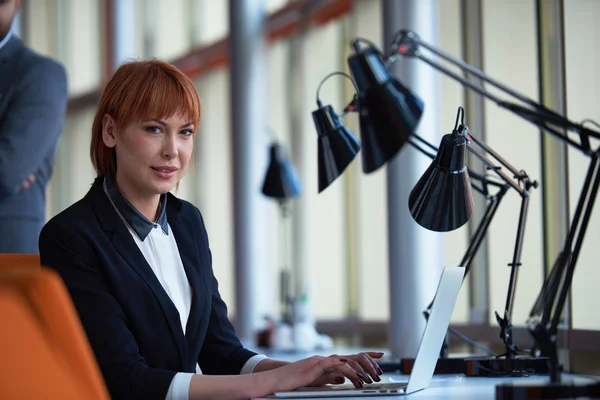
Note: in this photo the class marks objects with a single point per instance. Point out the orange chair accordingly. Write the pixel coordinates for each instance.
(45, 353)
(9, 260)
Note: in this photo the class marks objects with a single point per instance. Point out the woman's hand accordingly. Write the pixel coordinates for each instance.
(304, 372)
(365, 368)
(318, 371)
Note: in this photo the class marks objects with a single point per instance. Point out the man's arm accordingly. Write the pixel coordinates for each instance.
(32, 124)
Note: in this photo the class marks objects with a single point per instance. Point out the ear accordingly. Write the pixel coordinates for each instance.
(109, 130)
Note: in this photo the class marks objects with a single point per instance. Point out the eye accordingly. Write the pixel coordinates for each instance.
(153, 129)
(187, 132)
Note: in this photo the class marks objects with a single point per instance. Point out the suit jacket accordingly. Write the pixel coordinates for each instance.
(33, 97)
(133, 327)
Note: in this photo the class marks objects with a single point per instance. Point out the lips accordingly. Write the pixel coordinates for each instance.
(165, 169)
(165, 172)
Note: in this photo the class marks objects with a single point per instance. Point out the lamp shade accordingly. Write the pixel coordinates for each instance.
(389, 112)
(337, 146)
(442, 200)
(281, 180)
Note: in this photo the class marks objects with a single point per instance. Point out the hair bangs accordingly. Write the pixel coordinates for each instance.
(158, 91)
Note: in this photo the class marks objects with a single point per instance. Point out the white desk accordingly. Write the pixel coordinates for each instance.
(441, 387)
(457, 387)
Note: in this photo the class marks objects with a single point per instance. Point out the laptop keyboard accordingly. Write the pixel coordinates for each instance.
(385, 386)
(373, 386)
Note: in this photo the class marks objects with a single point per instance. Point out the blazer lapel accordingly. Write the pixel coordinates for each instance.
(187, 243)
(8, 66)
(127, 248)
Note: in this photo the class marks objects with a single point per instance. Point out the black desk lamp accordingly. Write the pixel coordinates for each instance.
(385, 125)
(336, 145)
(442, 200)
(546, 313)
(282, 183)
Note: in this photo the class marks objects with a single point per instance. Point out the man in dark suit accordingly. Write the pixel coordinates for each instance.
(33, 96)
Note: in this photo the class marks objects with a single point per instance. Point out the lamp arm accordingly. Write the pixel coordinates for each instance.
(506, 321)
(522, 184)
(408, 43)
(420, 148)
(480, 232)
(496, 170)
(519, 177)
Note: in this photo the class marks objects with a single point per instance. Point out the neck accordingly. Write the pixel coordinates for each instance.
(147, 205)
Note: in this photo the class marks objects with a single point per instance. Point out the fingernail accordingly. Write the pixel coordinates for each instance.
(377, 379)
(380, 371)
(379, 352)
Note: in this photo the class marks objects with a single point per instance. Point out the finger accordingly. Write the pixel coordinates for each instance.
(376, 366)
(363, 375)
(25, 185)
(358, 369)
(31, 178)
(368, 365)
(376, 354)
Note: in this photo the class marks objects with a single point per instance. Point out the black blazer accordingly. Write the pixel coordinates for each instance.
(133, 327)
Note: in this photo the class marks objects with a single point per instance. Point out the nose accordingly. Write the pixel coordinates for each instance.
(169, 149)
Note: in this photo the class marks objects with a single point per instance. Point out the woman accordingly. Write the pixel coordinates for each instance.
(137, 263)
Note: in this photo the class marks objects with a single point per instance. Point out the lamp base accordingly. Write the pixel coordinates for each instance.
(547, 390)
(486, 366)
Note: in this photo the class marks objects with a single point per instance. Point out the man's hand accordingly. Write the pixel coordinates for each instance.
(28, 182)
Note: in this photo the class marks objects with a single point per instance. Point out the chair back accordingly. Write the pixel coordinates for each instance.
(45, 352)
(11, 260)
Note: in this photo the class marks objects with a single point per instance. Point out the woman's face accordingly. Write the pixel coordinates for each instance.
(152, 155)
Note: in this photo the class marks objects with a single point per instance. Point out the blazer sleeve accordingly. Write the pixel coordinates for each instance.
(125, 371)
(32, 124)
(222, 352)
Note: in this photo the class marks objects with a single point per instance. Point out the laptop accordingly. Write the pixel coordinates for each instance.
(427, 355)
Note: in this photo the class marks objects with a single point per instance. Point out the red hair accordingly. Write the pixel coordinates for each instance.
(138, 91)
